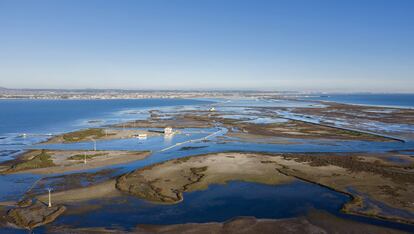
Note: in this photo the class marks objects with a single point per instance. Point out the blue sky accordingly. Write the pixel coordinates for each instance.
(311, 45)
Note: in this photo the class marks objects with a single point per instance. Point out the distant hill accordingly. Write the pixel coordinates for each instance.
(2, 88)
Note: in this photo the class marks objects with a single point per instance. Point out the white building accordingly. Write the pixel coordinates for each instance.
(142, 136)
(168, 131)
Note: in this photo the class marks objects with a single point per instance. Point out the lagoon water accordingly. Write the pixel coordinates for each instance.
(218, 203)
(392, 100)
(41, 118)
(50, 116)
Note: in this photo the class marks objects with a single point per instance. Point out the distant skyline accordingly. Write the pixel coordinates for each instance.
(318, 45)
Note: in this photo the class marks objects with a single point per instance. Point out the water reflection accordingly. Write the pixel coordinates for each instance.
(217, 203)
(168, 139)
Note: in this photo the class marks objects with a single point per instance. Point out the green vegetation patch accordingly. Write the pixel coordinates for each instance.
(88, 156)
(83, 134)
(39, 161)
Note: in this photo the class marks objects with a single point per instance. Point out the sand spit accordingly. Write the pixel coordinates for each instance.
(298, 130)
(102, 190)
(59, 161)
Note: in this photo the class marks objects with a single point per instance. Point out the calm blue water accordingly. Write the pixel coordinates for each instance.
(394, 100)
(217, 203)
(44, 116)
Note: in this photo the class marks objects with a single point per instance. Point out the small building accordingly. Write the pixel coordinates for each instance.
(142, 136)
(168, 131)
(212, 109)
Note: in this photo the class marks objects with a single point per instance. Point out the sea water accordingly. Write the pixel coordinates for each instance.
(391, 100)
(218, 203)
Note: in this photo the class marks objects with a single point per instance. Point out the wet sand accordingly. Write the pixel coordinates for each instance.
(102, 190)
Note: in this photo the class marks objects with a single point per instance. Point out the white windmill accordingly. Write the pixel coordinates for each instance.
(50, 197)
(94, 144)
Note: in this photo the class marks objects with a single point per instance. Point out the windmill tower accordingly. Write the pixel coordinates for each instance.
(50, 197)
(94, 144)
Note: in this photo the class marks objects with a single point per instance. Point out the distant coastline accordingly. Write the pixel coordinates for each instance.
(390, 100)
(398, 100)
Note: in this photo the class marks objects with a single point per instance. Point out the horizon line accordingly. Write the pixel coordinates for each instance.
(204, 90)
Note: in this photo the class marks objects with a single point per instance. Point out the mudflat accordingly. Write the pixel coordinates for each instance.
(102, 190)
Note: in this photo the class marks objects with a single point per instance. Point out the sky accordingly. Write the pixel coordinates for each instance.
(302, 45)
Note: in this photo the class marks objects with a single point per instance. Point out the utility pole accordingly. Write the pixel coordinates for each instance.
(84, 158)
(50, 197)
(94, 144)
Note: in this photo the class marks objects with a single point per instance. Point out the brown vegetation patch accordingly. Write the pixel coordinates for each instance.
(385, 183)
(165, 182)
(35, 215)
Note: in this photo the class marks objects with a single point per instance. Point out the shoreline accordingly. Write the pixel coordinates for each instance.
(60, 161)
(394, 138)
(110, 187)
(333, 173)
(361, 104)
(314, 222)
(285, 166)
